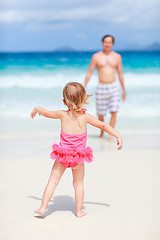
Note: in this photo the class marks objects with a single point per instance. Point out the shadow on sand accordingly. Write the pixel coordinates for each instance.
(63, 203)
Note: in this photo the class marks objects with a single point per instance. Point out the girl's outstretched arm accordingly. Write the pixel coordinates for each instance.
(46, 113)
(107, 128)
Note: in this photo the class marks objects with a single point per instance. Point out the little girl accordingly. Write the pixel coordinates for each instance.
(72, 151)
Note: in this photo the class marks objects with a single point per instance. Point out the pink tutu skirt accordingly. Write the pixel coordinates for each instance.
(71, 155)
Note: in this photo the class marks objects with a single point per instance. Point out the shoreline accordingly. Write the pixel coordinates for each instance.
(30, 145)
(42, 133)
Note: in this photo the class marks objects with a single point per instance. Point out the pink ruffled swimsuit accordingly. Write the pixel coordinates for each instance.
(72, 150)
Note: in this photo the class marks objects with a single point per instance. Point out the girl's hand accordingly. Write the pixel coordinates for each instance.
(119, 143)
(33, 113)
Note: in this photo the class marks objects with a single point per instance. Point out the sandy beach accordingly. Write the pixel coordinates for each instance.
(122, 188)
(122, 191)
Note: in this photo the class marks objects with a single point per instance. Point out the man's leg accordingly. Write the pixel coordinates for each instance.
(101, 118)
(113, 119)
(101, 103)
(114, 102)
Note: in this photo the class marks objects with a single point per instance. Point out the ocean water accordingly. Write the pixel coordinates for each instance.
(29, 79)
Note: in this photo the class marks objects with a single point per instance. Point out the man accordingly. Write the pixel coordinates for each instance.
(107, 63)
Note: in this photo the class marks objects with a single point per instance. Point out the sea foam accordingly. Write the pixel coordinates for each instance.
(55, 80)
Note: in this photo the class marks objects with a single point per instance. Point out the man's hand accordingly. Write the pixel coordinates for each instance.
(124, 96)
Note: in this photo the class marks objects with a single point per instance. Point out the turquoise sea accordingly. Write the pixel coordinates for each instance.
(29, 79)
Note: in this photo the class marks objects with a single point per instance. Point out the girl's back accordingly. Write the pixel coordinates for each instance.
(73, 122)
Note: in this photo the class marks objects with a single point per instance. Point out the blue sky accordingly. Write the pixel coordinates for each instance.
(35, 25)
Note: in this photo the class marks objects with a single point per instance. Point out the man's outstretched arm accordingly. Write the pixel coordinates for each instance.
(121, 79)
(90, 71)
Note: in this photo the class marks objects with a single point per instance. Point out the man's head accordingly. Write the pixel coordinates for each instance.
(107, 42)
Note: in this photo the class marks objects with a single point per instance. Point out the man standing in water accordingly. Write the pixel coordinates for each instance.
(107, 63)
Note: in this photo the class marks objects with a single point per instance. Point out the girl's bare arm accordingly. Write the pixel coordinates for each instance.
(107, 128)
(46, 113)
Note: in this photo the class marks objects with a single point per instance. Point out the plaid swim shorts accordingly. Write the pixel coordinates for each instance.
(107, 98)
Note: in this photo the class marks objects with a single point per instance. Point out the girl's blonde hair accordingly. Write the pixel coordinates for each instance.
(75, 96)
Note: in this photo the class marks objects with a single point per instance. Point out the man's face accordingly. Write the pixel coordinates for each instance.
(107, 43)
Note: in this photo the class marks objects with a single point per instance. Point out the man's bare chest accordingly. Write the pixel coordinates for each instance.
(107, 62)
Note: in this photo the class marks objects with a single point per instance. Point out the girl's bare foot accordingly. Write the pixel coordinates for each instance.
(40, 211)
(80, 214)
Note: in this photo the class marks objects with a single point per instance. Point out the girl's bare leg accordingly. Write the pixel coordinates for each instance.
(56, 174)
(78, 176)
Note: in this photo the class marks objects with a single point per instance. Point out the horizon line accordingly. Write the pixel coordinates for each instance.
(72, 51)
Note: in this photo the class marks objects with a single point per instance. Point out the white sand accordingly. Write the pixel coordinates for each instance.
(122, 194)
